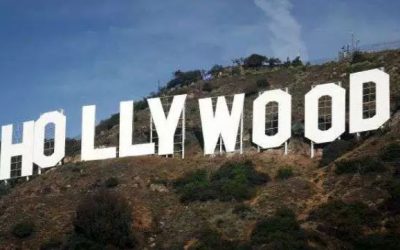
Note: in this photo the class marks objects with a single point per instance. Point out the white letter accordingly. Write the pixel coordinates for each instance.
(382, 86)
(284, 101)
(338, 95)
(8, 150)
(125, 134)
(166, 126)
(224, 123)
(89, 153)
(59, 121)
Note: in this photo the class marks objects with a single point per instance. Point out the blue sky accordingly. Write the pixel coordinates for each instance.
(64, 54)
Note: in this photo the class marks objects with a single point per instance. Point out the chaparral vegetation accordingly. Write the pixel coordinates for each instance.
(346, 197)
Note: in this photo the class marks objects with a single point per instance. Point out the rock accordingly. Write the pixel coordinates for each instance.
(138, 182)
(380, 201)
(190, 244)
(159, 188)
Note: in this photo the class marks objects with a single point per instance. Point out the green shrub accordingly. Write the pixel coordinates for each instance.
(51, 244)
(262, 83)
(346, 167)
(363, 165)
(72, 147)
(209, 240)
(284, 173)
(236, 71)
(108, 123)
(184, 78)
(232, 181)
(216, 69)
(4, 189)
(281, 231)
(23, 229)
(392, 204)
(250, 89)
(358, 57)
(360, 66)
(237, 180)
(195, 186)
(298, 129)
(371, 165)
(140, 105)
(207, 87)
(391, 152)
(104, 218)
(242, 210)
(239, 170)
(345, 221)
(79, 242)
(394, 189)
(378, 241)
(334, 150)
(73, 167)
(111, 182)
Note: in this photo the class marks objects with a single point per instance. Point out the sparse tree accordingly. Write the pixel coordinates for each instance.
(272, 62)
(216, 69)
(238, 61)
(297, 62)
(103, 218)
(287, 63)
(255, 61)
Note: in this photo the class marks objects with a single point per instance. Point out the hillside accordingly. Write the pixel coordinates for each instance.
(347, 197)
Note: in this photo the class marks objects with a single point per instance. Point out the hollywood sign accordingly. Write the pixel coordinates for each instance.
(217, 124)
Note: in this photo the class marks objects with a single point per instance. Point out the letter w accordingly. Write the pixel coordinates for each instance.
(222, 124)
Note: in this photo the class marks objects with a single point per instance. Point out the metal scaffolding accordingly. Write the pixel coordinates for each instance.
(16, 166)
(16, 161)
(49, 139)
(179, 136)
(271, 118)
(325, 112)
(369, 100)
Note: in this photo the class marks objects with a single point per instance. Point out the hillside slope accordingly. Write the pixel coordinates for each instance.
(347, 197)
